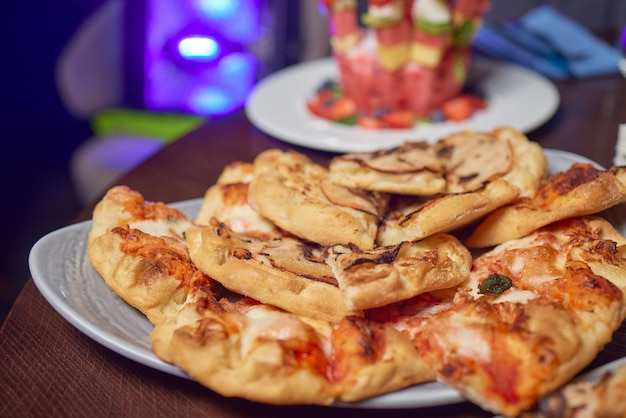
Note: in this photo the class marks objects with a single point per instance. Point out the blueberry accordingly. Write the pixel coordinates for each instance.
(379, 113)
(437, 116)
(328, 84)
(328, 102)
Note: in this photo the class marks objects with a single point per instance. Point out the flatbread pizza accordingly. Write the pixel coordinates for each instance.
(137, 248)
(533, 313)
(483, 171)
(284, 272)
(291, 287)
(228, 201)
(294, 193)
(580, 190)
(412, 168)
(370, 279)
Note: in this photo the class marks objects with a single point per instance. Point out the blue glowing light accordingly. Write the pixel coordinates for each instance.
(237, 65)
(212, 100)
(219, 9)
(198, 48)
(236, 20)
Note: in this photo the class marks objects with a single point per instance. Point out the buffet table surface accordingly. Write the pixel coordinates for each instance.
(49, 368)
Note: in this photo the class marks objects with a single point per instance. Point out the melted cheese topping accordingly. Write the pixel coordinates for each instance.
(160, 228)
(242, 218)
(264, 323)
(515, 296)
(474, 345)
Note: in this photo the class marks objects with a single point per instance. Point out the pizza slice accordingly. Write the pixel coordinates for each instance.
(529, 166)
(412, 218)
(139, 249)
(483, 171)
(580, 190)
(379, 277)
(412, 168)
(122, 206)
(533, 314)
(326, 283)
(284, 272)
(295, 193)
(605, 397)
(471, 159)
(227, 200)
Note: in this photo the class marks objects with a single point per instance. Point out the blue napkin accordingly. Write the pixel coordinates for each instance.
(550, 43)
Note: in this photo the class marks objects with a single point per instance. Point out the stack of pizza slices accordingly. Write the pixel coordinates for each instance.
(460, 261)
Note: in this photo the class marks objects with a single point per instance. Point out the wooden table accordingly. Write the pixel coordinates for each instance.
(47, 367)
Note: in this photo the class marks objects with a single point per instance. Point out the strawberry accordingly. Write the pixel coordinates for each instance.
(341, 108)
(458, 109)
(478, 102)
(400, 119)
(316, 108)
(369, 122)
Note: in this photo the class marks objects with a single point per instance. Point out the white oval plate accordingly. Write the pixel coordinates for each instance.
(516, 97)
(60, 269)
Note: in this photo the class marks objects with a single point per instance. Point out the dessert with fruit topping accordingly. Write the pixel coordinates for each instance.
(403, 61)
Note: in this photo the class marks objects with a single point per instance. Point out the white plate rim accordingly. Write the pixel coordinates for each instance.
(75, 235)
(518, 97)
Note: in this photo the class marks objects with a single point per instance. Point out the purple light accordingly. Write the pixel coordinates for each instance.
(196, 57)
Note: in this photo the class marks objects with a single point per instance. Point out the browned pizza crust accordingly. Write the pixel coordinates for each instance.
(258, 352)
(144, 268)
(227, 201)
(373, 359)
(287, 273)
(472, 159)
(484, 171)
(411, 219)
(247, 351)
(122, 206)
(326, 283)
(295, 194)
(583, 399)
(530, 165)
(580, 190)
(236, 172)
(412, 168)
(378, 277)
(151, 273)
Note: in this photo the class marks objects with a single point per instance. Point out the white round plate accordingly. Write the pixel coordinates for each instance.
(60, 269)
(516, 97)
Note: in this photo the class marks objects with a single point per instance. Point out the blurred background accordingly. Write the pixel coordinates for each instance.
(72, 69)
